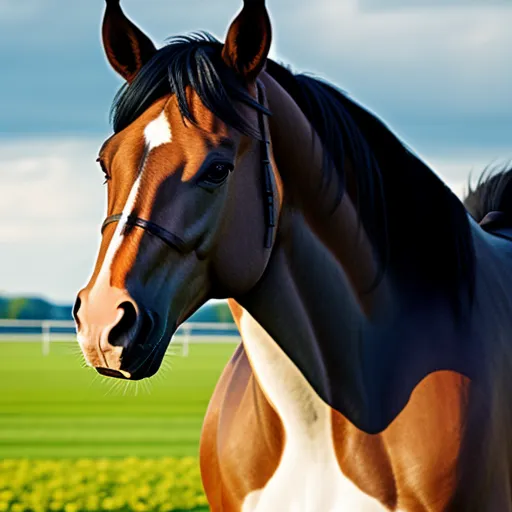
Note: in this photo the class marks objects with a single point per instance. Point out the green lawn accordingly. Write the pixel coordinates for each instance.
(51, 407)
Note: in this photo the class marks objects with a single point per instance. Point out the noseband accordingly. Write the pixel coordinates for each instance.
(174, 241)
(166, 236)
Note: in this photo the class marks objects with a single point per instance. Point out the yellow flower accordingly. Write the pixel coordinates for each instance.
(99, 485)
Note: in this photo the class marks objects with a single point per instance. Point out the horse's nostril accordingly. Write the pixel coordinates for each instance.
(145, 324)
(76, 308)
(120, 332)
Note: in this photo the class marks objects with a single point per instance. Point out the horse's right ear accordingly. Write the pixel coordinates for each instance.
(126, 46)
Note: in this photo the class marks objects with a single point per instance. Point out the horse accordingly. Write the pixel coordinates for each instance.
(374, 310)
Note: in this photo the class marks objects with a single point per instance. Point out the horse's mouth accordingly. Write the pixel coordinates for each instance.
(110, 372)
(147, 369)
(141, 368)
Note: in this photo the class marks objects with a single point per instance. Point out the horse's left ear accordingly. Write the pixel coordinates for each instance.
(126, 46)
(248, 40)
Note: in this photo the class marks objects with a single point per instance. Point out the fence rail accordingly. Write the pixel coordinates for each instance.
(50, 331)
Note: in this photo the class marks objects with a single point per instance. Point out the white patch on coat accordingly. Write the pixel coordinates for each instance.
(158, 132)
(117, 237)
(308, 478)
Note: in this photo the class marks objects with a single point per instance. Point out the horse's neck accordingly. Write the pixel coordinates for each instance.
(364, 369)
(314, 298)
(362, 353)
(306, 304)
(298, 155)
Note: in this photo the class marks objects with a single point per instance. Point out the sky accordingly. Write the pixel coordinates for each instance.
(438, 72)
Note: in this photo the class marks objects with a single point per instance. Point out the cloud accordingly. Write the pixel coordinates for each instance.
(429, 4)
(49, 180)
(15, 11)
(457, 59)
(441, 77)
(51, 204)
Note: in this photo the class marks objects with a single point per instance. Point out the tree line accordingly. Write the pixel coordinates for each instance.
(33, 308)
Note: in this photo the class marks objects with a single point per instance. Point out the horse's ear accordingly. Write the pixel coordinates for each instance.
(248, 40)
(127, 48)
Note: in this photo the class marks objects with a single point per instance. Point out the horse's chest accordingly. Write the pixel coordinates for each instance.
(308, 477)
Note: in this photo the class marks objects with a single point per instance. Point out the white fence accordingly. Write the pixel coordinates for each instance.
(50, 331)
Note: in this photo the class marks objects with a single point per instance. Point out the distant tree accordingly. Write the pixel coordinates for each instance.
(22, 308)
(62, 312)
(4, 307)
(213, 312)
(222, 312)
(27, 308)
(15, 307)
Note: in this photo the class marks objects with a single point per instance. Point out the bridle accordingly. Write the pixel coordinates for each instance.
(174, 241)
(132, 221)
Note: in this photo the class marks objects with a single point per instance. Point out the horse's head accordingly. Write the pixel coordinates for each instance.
(188, 212)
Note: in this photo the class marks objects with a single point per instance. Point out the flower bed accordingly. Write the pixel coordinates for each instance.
(117, 485)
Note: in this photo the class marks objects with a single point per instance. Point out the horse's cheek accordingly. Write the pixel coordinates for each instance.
(237, 271)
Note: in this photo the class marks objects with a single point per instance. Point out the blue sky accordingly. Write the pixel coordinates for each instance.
(437, 71)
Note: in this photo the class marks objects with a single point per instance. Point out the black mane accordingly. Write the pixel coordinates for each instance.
(193, 60)
(417, 225)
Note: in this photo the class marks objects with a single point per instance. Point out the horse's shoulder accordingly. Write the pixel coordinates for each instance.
(425, 436)
(240, 429)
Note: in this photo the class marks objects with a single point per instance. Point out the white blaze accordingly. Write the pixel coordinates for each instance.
(156, 133)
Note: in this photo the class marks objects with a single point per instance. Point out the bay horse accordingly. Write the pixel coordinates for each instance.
(375, 312)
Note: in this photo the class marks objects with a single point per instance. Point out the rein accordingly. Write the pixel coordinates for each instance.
(174, 241)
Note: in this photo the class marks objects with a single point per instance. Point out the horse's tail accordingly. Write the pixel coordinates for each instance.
(493, 192)
(487, 442)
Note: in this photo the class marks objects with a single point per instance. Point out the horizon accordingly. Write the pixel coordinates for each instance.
(70, 303)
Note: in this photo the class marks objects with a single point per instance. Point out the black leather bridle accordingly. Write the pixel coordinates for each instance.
(174, 241)
(166, 236)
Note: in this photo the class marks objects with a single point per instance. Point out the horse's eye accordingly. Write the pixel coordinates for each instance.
(217, 173)
(104, 169)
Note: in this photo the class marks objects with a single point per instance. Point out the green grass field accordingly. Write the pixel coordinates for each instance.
(52, 408)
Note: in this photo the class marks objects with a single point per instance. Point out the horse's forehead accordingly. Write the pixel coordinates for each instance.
(162, 123)
(205, 119)
(158, 132)
(151, 129)
(156, 126)
(168, 116)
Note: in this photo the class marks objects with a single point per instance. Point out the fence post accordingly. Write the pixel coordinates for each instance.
(186, 339)
(46, 328)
